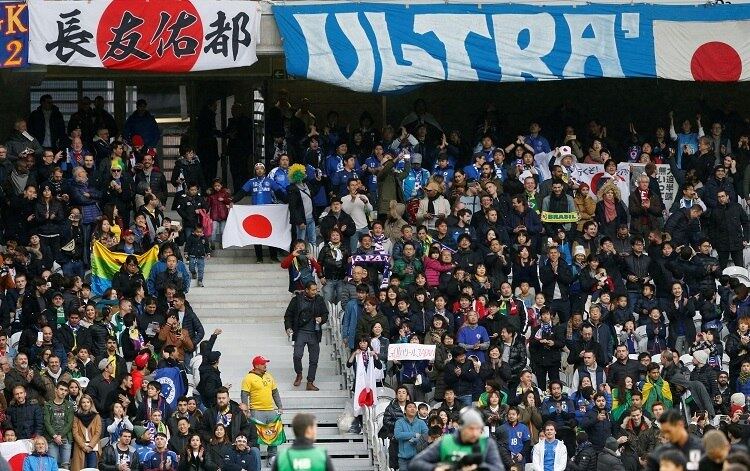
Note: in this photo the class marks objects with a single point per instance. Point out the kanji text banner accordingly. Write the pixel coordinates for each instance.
(156, 35)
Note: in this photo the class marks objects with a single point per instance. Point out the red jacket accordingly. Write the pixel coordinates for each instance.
(219, 209)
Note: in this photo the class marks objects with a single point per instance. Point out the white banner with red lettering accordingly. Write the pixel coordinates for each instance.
(155, 35)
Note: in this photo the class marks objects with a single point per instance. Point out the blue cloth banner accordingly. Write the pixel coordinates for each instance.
(378, 47)
(14, 35)
(173, 385)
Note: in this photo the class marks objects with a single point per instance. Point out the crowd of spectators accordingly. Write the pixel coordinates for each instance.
(572, 316)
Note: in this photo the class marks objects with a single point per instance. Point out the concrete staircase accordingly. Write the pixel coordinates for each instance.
(247, 301)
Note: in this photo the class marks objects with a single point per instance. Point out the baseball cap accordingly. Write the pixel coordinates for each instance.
(260, 164)
(161, 230)
(127, 232)
(57, 293)
(103, 363)
(260, 360)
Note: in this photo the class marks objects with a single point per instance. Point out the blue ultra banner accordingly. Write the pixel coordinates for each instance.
(379, 47)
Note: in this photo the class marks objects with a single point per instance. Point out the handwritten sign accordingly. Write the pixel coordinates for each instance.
(411, 351)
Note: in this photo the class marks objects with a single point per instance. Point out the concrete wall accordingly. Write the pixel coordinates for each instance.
(458, 105)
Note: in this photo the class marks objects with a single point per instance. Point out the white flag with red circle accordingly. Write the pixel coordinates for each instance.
(266, 224)
(711, 51)
(15, 453)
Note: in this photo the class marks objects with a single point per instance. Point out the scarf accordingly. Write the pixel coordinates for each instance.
(544, 330)
(744, 378)
(610, 210)
(336, 251)
(19, 180)
(508, 307)
(531, 198)
(86, 418)
(378, 242)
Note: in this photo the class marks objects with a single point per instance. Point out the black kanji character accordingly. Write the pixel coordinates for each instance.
(125, 42)
(70, 36)
(218, 39)
(240, 34)
(181, 45)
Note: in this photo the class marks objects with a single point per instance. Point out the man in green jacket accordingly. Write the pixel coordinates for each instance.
(58, 425)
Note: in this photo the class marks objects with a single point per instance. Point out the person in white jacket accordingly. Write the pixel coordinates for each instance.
(550, 453)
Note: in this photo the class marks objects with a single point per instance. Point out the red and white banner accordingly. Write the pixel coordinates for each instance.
(155, 35)
(15, 453)
(706, 51)
(266, 224)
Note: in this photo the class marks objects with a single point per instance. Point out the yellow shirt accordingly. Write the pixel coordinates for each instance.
(259, 388)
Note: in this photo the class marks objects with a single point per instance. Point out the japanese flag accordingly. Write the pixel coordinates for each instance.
(702, 50)
(260, 224)
(15, 453)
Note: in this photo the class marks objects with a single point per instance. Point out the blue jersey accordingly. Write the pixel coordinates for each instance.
(472, 173)
(517, 436)
(280, 176)
(262, 190)
(334, 163)
(340, 181)
(446, 173)
(371, 178)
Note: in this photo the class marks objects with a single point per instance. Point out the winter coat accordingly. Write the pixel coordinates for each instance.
(681, 315)
(80, 434)
(26, 418)
(516, 356)
(334, 269)
(584, 459)
(389, 184)
(236, 427)
(608, 461)
(545, 355)
(729, 227)
(37, 462)
(598, 430)
(683, 229)
(643, 220)
(111, 458)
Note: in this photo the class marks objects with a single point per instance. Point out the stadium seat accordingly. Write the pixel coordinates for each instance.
(740, 273)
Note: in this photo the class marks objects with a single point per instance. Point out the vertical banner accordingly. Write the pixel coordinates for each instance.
(157, 35)
(14, 35)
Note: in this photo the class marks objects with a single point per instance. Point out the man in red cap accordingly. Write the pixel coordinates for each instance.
(260, 393)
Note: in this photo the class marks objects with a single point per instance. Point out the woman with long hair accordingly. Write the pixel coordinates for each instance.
(193, 457)
(525, 269)
(50, 218)
(531, 414)
(218, 448)
(365, 363)
(104, 233)
(87, 431)
(622, 398)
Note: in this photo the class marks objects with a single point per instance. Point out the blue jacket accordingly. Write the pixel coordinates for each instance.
(154, 459)
(334, 163)
(145, 126)
(549, 410)
(352, 312)
(408, 435)
(36, 462)
(161, 266)
(280, 176)
(415, 182)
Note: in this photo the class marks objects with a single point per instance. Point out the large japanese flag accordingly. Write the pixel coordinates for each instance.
(266, 224)
(717, 51)
(15, 453)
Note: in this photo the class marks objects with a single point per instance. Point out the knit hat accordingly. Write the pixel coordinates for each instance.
(701, 357)
(579, 250)
(416, 158)
(471, 416)
(139, 430)
(611, 444)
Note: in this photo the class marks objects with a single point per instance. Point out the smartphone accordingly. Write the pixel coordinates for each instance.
(39, 336)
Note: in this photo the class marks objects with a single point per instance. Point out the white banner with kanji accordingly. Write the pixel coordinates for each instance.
(156, 35)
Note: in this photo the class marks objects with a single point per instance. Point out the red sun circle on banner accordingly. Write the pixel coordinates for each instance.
(716, 62)
(160, 35)
(16, 461)
(258, 226)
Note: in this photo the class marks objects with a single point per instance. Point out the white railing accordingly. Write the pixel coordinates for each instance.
(340, 354)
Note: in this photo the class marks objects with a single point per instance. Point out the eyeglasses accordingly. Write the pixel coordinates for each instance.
(116, 170)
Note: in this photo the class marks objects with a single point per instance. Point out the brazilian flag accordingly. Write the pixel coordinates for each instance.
(270, 433)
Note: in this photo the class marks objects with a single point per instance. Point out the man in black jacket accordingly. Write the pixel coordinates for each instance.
(115, 455)
(229, 413)
(303, 321)
(585, 457)
(25, 416)
(245, 454)
(729, 229)
(622, 367)
(72, 334)
(556, 279)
